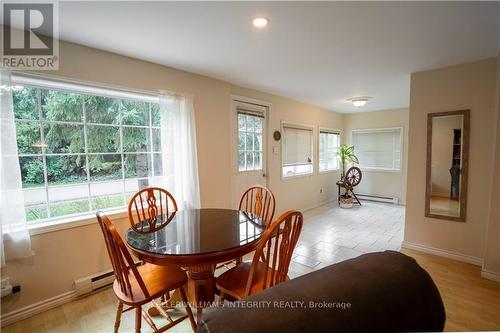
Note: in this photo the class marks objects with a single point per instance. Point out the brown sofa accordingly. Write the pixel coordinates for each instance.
(386, 292)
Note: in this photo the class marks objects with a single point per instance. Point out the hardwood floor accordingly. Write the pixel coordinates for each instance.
(471, 302)
(330, 235)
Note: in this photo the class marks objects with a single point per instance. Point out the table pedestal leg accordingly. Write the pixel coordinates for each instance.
(201, 287)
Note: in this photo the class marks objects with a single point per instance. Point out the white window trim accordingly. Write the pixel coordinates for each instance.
(81, 87)
(73, 222)
(312, 128)
(401, 152)
(332, 131)
(235, 100)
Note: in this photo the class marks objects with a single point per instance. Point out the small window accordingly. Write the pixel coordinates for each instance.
(329, 142)
(378, 149)
(297, 151)
(250, 144)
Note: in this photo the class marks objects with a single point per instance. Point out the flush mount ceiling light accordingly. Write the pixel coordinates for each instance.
(260, 22)
(359, 101)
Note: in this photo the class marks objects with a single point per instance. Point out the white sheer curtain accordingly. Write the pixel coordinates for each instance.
(15, 241)
(179, 154)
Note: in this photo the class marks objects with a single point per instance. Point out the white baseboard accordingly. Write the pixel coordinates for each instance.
(443, 253)
(378, 198)
(36, 308)
(494, 276)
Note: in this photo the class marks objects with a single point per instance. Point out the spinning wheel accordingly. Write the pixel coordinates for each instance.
(351, 179)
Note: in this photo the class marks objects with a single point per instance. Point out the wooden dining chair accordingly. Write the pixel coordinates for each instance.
(270, 261)
(138, 285)
(150, 209)
(260, 201)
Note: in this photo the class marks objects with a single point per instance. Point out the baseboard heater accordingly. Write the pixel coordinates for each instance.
(379, 198)
(97, 281)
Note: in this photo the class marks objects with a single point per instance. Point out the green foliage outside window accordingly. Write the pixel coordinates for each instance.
(52, 128)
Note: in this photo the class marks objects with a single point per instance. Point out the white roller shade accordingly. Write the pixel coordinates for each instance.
(251, 109)
(297, 146)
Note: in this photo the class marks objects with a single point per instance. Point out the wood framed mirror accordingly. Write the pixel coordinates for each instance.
(447, 165)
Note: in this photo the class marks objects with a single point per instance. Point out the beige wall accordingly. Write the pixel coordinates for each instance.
(466, 86)
(65, 255)
(492, 256)
(300, 192)
(381, 182)
(60, 257)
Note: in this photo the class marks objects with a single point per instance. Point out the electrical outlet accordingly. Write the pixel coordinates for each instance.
(5, 282)
(6, 287)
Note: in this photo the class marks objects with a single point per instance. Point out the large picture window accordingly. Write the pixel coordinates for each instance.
(80, 152)
(297, 149)
(378, 149)
(329, 142)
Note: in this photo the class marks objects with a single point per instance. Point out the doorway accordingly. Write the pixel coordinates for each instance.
(249, 119)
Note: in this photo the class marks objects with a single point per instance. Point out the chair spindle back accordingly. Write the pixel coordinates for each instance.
(260, 201)
(276, 248)
(150, 209)
(121, 260)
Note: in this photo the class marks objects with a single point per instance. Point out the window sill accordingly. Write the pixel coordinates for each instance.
(300, 175)
(381, 170)
(248, 171)
(328, 171)
(72, 222)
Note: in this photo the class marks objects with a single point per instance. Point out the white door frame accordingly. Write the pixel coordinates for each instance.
(234, 142)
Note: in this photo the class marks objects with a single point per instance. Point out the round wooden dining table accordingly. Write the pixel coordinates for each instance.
(197, 240)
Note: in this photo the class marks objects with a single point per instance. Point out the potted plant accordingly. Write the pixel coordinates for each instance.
(345, 154)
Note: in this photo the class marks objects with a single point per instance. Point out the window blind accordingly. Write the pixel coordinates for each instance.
(297, 146)
(250, 112)
(251, 109)
(378, 148)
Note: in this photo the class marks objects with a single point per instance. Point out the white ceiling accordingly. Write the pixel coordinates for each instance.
(318, 52)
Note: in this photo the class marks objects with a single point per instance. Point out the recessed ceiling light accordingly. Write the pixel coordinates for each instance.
(260, 22)
(359, 101)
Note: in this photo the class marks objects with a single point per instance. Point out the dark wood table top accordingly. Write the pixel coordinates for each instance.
(198, 236)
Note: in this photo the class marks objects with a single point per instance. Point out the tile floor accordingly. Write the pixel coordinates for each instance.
(329, 235)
